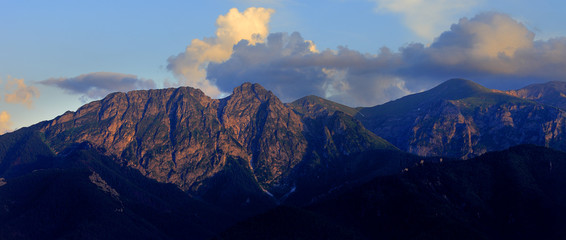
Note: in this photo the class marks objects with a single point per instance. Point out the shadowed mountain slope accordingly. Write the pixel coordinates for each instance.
(86, 195)
(460, 118)
(512, 194)
(550, 93)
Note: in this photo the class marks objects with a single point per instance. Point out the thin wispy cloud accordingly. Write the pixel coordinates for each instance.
(5, 122)
(426, 17)
(264, 2)
(17, 92)
(99, 84)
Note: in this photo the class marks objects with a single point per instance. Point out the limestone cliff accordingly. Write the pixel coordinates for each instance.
(184, 137)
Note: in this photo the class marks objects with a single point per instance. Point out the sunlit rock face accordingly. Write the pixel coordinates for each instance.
(184, 137)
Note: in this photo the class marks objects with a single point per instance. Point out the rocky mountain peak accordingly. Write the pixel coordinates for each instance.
(550, 93)
(460, 118)
(249, 90)
(182, 136)
(457, 88)
(314, 106)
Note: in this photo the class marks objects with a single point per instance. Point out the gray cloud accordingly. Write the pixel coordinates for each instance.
(287, 65)
(491, 48)
(99, 84)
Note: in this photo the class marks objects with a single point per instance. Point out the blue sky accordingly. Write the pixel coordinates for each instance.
(57, 55)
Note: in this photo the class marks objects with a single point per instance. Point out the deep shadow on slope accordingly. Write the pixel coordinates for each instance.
(23, 151)
(64, 202)
(512, 194)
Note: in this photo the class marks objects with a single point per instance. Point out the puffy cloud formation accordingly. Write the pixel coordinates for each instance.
(487, 35)
(19, 92)
(490, 46)
(287, 65)
(5, 123)
(99, 84)
(424, 17)
(190, 66)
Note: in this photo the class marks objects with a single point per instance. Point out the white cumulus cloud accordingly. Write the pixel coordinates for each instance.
(190, 66)
(491, 48)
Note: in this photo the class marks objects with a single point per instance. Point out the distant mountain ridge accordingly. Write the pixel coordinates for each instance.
(550, 93)
(460, 118)
(175, 163)
(315, 106)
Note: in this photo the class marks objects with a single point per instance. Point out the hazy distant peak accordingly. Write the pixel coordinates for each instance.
(314, 106)
(458, 88)
(550, 93)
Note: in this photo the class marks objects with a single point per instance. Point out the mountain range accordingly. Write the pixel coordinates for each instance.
(460, 118)
(177, 164)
